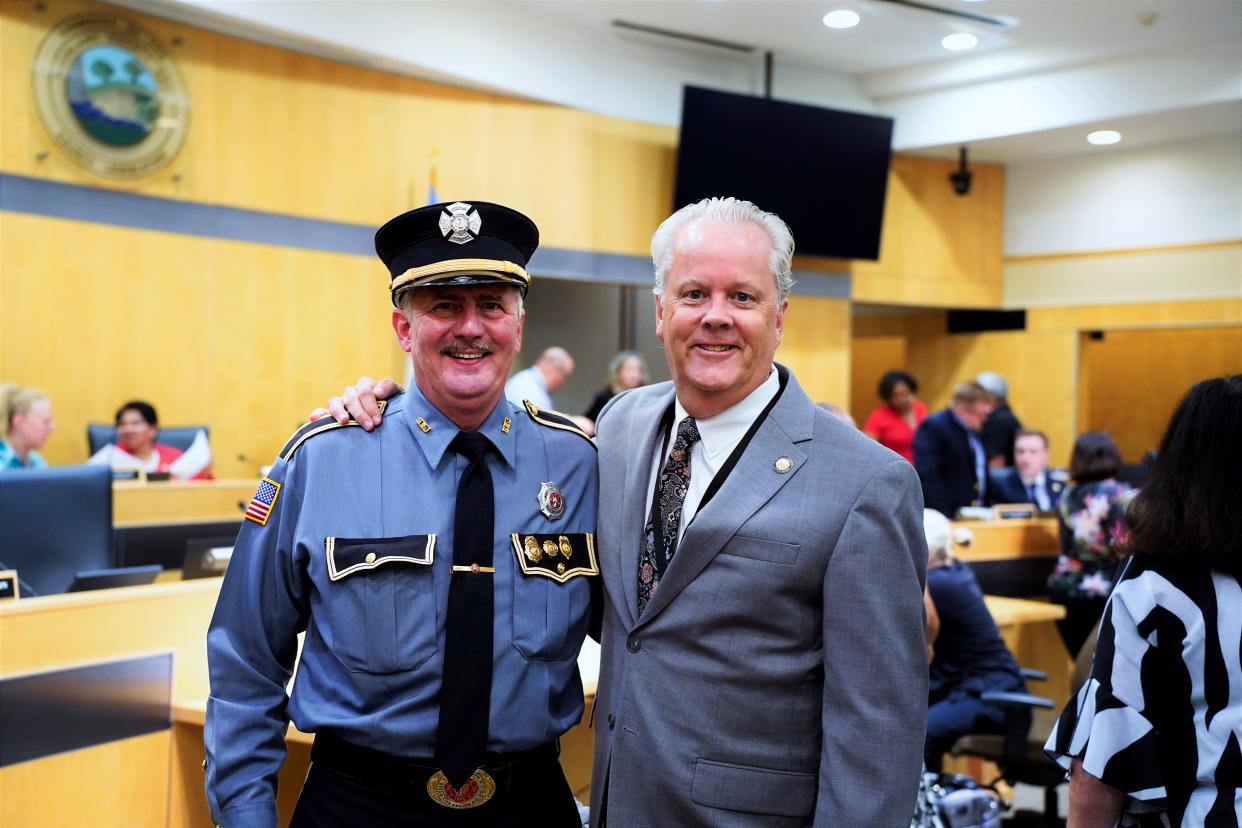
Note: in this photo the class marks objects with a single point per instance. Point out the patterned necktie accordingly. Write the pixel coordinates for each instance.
(670, 494)
(466, 686)
(1030, 492)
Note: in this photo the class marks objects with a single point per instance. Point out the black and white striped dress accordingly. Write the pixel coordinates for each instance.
(1161, 715)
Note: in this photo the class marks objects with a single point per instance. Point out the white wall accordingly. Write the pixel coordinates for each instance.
(1116, 199)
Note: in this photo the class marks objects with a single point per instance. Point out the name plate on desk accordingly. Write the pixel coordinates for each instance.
(9, 588)
(1013, 511)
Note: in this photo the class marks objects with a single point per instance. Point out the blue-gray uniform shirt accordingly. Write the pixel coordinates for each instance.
(357, 550)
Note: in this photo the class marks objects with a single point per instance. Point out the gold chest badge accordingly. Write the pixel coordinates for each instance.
(559, 557)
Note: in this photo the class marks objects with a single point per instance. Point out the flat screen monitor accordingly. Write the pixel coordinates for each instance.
(55, 523)
(824, 171)
(116, 577)
(207, 557)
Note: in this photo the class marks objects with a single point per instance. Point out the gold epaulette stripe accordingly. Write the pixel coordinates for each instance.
(472, 267)
(555, 419)
(317, 427)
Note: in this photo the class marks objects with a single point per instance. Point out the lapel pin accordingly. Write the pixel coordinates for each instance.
(783, 465)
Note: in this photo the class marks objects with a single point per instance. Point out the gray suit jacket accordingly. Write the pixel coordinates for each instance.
(779, 675)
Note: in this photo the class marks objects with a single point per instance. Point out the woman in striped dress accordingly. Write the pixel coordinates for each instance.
(1155, 735)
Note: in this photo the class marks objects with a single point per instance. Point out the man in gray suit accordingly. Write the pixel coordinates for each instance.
(763, 657)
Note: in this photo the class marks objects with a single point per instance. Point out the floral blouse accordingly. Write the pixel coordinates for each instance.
(1093, 526)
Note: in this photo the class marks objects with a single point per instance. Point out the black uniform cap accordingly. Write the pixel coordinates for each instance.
(457, 243)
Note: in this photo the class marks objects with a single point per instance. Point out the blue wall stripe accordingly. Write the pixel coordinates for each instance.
(22, 194)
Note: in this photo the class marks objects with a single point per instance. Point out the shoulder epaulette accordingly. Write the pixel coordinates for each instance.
(317, 427)
(555, 419)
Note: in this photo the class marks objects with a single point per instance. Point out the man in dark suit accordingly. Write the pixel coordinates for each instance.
(1030, 480)
(949, 454)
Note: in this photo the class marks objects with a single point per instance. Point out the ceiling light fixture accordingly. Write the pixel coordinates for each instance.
(959, 41)
(1103, 137)
(842, 19)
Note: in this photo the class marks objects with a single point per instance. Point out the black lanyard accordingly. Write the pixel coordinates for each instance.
(666, 424)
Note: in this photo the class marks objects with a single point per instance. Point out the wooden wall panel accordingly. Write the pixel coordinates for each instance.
(276, 130)
(1048, 389)
(938, 249)
(1136, 378)
(123, 784)
(243, 337)
(816, 347)
(870, 358)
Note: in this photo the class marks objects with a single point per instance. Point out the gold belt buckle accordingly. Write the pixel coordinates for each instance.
(476, 790)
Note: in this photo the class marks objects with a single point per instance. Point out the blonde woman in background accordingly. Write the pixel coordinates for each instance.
(27, 417)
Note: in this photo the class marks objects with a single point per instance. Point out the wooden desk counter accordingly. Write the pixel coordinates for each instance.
(1001, 539)
(121, 782)
(1029, 630)
(137, 503)
(1007, 612)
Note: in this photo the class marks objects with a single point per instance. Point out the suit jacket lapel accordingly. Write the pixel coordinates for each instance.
(752, 483)
(646, 430)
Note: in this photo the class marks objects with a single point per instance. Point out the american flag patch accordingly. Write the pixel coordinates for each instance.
(264, 499)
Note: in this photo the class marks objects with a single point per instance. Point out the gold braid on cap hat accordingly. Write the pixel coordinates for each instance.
(462, 267)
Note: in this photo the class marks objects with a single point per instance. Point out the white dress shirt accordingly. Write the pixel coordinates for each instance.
(529, 384)
(719, 435)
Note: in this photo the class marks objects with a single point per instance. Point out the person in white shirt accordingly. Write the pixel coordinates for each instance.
(540, 381)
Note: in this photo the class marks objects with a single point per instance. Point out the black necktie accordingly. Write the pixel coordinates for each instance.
(1030, 491)
(660, 535)
(466, 687)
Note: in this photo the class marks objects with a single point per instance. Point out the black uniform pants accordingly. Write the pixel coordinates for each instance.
(352, 787)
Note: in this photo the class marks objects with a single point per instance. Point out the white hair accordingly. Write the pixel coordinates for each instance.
(938, 532)
(727, 211)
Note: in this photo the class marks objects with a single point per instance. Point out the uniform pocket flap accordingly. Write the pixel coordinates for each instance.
(349, 555)
(754, 790)
(559, 557)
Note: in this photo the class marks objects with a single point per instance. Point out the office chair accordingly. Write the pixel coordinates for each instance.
(1019, 752)
(99, 435)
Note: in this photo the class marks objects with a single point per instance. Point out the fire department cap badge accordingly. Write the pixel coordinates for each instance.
(460, 223)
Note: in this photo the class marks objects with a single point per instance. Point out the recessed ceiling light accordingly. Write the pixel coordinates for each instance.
(959, 41)
(1102, 137)
(841, 19)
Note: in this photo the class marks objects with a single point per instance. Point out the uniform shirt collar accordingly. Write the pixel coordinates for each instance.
(440, 429)
(722, 432)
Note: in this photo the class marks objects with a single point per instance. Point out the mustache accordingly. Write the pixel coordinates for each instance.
(477, 345)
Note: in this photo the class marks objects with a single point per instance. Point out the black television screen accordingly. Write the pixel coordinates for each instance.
(822, 170)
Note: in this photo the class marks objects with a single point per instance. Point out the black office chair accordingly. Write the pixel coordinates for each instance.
(99, 435)
(1019, 752)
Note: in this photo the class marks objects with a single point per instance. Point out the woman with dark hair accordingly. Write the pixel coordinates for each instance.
(137, 428)
(1093, 527)
(893, 424)
(1153, 736)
